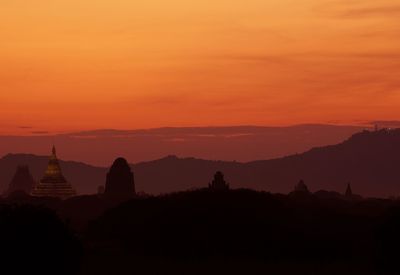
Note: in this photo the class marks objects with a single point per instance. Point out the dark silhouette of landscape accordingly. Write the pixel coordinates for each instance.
(34, 240)
(368, 160)
(201, 231)
(232, 221)
(212, 218)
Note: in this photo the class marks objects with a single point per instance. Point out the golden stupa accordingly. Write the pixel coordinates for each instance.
(53, 183)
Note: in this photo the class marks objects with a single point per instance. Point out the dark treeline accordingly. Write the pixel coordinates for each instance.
(201, 232)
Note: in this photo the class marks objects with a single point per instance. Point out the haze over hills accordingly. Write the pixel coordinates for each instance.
(369, 160)
(240, 143)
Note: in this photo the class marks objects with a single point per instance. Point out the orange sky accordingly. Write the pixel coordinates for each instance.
(84, 64)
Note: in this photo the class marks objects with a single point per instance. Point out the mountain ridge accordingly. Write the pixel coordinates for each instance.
(240, 143)
(369, 160)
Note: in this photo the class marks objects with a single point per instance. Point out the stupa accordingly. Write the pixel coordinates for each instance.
(53, 183)
(120, 184)
(349, 192)
(219, 182)
(301, 187)
(22, 181)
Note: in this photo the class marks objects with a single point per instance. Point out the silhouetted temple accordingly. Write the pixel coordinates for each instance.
(349, 192)
(301, 187)
(22, 181)
(53, 183)
(120, 183)
(219, 182)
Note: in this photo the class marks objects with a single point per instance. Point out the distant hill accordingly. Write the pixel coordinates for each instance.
(240, 143)
(369, 160)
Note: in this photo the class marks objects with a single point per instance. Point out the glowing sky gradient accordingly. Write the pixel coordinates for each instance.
(73, 64)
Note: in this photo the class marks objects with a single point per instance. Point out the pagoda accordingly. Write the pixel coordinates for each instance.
(301, 187)
(120, 183)
(219, 182)
(53, 183)
(349, 192)
(22, 181)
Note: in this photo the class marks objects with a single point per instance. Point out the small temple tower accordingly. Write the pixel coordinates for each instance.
(120, 183)
(22, 181)
(301, 187)
(219, 182)
(53, 183)
(349, 192)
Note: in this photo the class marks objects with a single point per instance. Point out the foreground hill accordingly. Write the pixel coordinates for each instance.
(201, 232)
(369, 160)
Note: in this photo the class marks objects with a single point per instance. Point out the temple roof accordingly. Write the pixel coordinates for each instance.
(53, 183)
(53, 172)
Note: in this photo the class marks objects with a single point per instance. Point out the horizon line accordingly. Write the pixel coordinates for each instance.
(44, 133)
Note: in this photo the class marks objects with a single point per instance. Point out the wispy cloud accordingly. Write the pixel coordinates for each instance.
(381, 11)
(256, 58)
(359, 9)
(40, 132)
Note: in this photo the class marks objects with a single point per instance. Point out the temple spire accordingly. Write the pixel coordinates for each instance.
(53, 183)
(349, 192)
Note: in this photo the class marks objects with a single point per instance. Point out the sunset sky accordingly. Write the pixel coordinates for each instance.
(71, 65)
